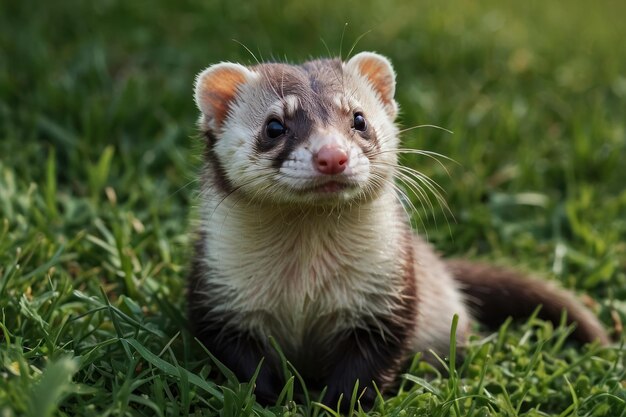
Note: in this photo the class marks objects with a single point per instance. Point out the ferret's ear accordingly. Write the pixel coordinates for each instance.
(217, 87)
(378, 71)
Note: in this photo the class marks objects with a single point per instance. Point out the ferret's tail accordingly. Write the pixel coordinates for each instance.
(496, 293)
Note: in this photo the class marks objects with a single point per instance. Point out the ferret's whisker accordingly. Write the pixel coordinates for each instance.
(426, 126)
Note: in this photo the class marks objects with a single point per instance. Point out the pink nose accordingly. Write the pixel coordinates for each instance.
(330, 160)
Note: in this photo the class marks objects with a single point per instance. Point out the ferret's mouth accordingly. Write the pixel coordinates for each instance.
(328, 188)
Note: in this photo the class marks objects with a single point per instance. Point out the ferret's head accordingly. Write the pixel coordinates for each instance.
(319, 133)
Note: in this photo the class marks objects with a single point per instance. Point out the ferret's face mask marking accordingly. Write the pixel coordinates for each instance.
(321, 133)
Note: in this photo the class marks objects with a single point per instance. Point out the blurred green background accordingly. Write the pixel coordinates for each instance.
(99, 153)
(534, 91)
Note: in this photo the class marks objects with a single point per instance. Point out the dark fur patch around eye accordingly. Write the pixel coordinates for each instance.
(298, 127)
(265, 143)
(367, 140)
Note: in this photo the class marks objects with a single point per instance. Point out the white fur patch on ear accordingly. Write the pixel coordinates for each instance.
(378, 71)
(216, 87)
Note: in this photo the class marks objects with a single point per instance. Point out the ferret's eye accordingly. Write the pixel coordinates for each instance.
(274, 129)
(359, 122)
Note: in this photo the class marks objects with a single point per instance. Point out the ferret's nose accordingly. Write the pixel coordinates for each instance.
(330, 160)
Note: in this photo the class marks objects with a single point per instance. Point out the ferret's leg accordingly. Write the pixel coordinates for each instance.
(368, 354)
(242, 353)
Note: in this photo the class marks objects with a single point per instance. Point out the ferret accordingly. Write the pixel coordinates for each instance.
(303, 236)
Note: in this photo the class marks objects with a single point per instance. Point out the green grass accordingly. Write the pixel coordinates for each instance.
(98, 160)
